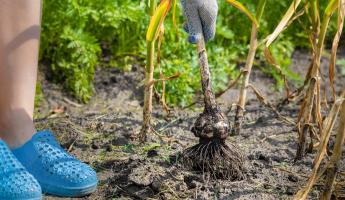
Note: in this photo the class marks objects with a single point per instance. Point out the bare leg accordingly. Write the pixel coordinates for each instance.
(19, 45)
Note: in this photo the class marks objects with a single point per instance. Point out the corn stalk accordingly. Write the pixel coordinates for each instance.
(341, 16)
(333, 165)
(310, 112)
(247, 69)
(161, 75)
(157, 16)
(326, 131)
(338, 108)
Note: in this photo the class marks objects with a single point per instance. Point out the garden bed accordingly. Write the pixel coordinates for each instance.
(100, 134)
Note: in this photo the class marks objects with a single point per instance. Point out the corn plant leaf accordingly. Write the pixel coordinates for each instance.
(260, 9)
(151, 6)
(280, 28)
(157, 20)
(282, 24)
(174, 13)
(242, 8)
(341, 14)
(331, 7)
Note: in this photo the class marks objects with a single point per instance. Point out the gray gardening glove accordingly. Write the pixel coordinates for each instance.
(201, 19)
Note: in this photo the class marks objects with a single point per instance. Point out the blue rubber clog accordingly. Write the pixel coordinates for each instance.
(16, 183)
(57, 172)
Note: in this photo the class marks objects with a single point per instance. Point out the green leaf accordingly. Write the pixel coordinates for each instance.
(242, 8)
(157, 20)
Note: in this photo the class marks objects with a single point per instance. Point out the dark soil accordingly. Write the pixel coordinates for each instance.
(100, 134)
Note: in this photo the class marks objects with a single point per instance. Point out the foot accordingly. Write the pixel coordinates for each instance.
(15, 182)
(57, 172)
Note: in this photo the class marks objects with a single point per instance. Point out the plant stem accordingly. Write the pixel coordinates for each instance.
(247, 70)
(209, 97)
(148, 92)
(147, 111)
(325, 134)
(152, 7)
(315, 12)
(245, 80)
(311, 107)
(332, 170)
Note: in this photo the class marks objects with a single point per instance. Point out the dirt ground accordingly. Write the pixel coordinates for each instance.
(99, 134)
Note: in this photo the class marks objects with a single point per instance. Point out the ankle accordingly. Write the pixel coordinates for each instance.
(17, 138)
(16, 129)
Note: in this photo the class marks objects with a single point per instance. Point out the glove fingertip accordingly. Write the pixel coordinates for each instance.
(192, 39)
(209, 37)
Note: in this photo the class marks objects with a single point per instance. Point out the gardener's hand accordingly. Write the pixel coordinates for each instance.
(201, 19)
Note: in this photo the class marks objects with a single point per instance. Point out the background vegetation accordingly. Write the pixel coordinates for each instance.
(77, 34)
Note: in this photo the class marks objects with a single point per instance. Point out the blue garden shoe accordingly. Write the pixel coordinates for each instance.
(15, 182)
(57, 172)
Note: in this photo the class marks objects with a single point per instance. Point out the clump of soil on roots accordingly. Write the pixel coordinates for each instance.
(216, 158)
